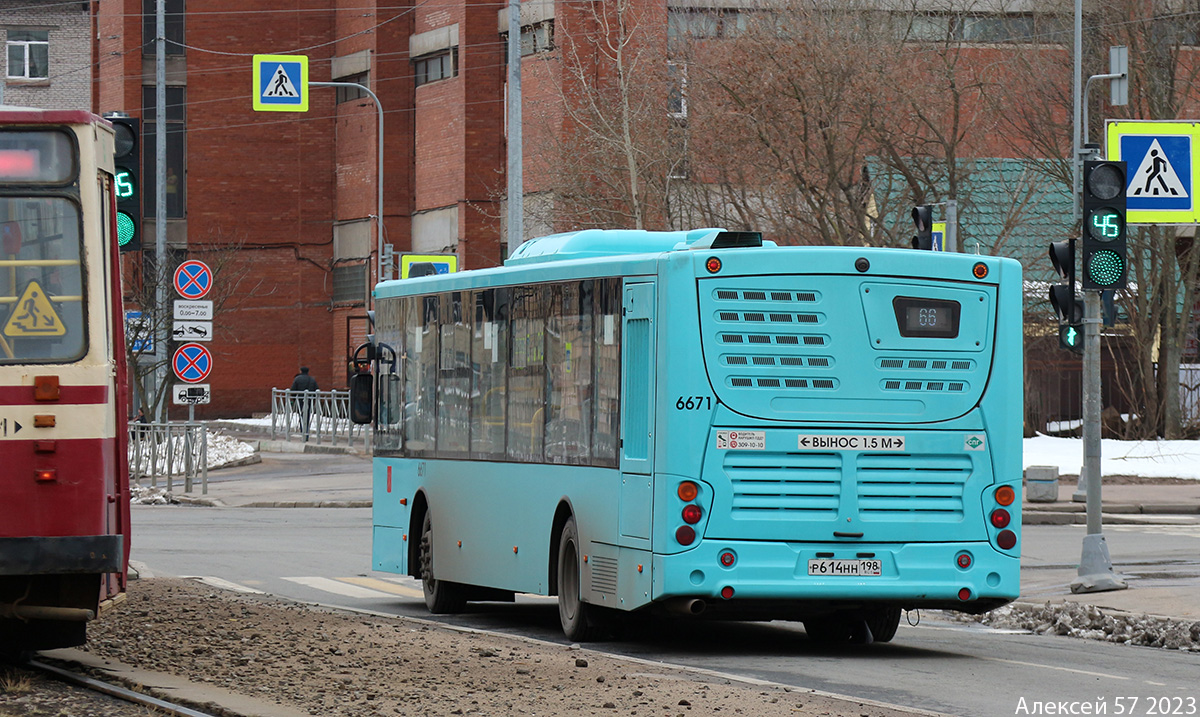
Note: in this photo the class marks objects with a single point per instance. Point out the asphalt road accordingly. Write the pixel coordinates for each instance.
(323, 556)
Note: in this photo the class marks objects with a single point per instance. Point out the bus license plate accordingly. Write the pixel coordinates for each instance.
(845, 567)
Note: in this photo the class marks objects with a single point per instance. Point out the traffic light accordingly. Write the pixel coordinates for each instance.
(127, 158)
(923, 219)
(1070, 337)
(1062, 296)
(1105, 261)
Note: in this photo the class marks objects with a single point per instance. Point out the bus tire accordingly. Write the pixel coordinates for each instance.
(581, 621)
(884, 622)
(442, 597)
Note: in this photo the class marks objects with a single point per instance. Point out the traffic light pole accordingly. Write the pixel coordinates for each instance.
(1095, 566)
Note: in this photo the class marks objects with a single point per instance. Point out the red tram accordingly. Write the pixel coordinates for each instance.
(64, 482)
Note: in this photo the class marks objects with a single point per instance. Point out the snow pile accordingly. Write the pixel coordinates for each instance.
(1148, 459)
(146, 495)
(223, 450)
(154, 453)
(1092, 623)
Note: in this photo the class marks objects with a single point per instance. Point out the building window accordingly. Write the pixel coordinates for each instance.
(176, 151)
(677, 90)
(173, 27)
(349, 94)
(349, 283)
(437, 66)
(535, 38)
(707, 23)
(29, 54)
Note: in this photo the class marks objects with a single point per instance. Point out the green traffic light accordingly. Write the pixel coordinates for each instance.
(1071, 336)
(1105, 267)
(126, 229)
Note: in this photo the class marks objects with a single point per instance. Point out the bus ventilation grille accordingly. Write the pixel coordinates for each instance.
(783, 485)
(604, 575)
(902, 486)
(895, 384)
(927, 364)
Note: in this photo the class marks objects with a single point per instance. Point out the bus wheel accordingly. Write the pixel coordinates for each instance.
(441, 596)
(883, 622)
(581, 622)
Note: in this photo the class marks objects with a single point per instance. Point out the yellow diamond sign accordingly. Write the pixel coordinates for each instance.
(33, 316)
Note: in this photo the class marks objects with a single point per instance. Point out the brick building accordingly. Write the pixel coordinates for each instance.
(48, 50)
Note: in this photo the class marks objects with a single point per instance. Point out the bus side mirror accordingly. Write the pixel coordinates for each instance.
(361, 385)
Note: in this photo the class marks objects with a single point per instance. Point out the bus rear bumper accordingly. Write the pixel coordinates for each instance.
(912, 575)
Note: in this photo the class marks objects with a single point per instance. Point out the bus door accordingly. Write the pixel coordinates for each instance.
(637, 409)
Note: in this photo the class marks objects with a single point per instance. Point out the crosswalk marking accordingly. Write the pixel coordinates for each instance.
(337, 587)
(223, 584)
(386, 586)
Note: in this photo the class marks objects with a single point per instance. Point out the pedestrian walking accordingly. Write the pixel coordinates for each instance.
(304, 404)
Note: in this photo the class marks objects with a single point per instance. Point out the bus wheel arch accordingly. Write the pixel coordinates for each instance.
(415, 523)
(561, 514)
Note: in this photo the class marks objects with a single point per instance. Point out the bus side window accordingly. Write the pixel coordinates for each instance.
(569, 374)
(606, 392)
(527, 374)
(489, 367)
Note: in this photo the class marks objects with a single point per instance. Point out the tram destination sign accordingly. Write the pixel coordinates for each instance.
(850, 443)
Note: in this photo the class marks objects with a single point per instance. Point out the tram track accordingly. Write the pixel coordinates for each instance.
(107, 688)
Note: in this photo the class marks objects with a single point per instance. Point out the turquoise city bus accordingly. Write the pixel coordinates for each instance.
(702, 422)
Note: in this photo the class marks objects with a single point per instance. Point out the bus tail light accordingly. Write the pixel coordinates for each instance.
(963, 560)
(964, 594)
(687, 491)
(1000, 518)
(727, 592)
(727, 559)
(692, 513)
(1005, 495)
(685, 535)
(1006, 539)
(44, 475)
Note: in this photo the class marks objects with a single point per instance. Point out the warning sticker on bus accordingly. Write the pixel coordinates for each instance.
(742, 440)
(851, 443)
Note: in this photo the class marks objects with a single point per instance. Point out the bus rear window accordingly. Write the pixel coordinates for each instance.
(36, 157)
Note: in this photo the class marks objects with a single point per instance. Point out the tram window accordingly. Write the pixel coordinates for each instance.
(42, 300)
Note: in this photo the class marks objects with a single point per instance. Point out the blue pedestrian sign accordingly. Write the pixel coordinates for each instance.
(192, 363)
(281, 83)
(1162, 178)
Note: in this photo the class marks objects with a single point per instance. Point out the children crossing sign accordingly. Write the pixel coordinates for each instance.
(1163, 174)
(281, 83)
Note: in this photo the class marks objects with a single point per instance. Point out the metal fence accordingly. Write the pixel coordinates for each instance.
(313, 417)
(169, 451)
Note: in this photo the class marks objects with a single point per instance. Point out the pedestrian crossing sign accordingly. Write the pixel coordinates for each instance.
(281, 83)
(1163, 176)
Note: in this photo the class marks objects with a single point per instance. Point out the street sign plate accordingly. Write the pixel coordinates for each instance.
(193, 279)
(192, 331)
(191, 394)
(192, 363)
(139, 333)
(1163, 174)
(193, 310)
(280, 83)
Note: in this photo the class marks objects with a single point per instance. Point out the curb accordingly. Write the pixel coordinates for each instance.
(1173, 517)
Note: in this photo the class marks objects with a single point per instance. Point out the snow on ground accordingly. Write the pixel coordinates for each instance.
(1093, 623)
(1148, 459)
